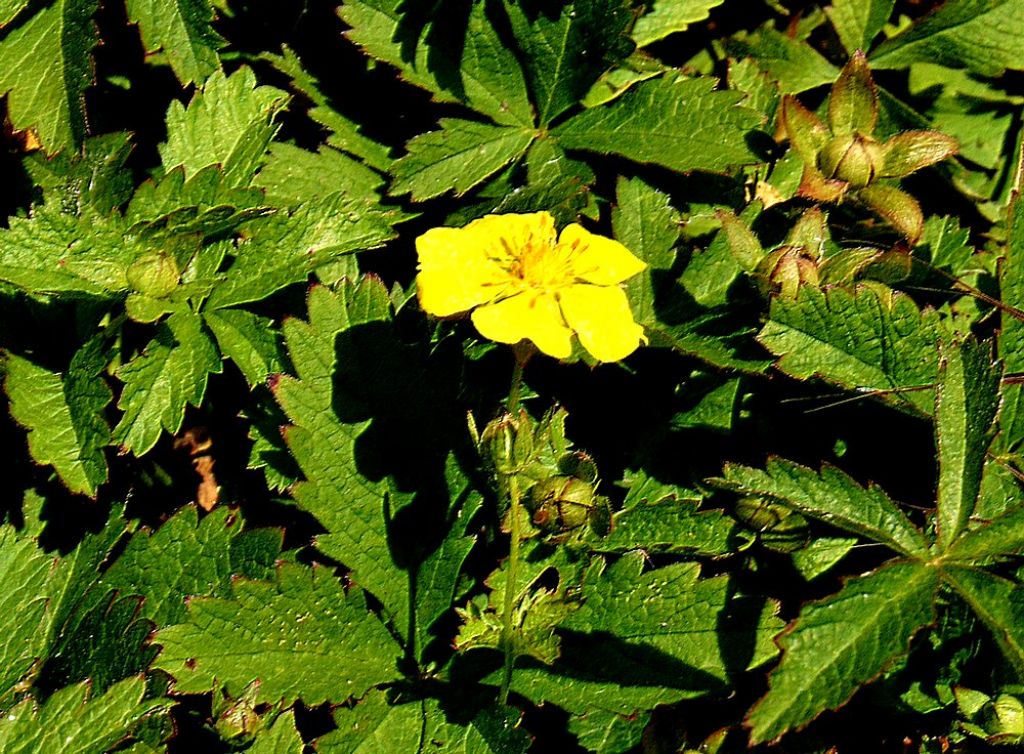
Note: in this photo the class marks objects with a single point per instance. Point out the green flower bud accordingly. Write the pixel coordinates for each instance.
(506, 443)
(784, 269)
(561, 503)
(853, 158)
(155, 274)
(239, 722)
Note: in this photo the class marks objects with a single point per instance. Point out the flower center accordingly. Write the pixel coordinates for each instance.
(539, 264)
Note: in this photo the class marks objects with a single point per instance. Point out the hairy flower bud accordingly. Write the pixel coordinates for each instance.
(784, 269)
(155, 274)
(561, 503)
(853, 158)
(506, 443)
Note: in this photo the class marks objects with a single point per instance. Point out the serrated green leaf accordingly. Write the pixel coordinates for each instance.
(230, 123)
(103, 642)
(667, 619)
(984, 36)
(1003, 536)
(64, 416)
(644, 639)
(325, 447)
(73, 723)
(344, 134)
(53, 253)
(567, 48)
(301, 636)
(862, 341)
(682, 124)
(858, 22)
(95, 178)
(282, 737)
(456, 158)
(1010, 342)
(839, 644)
(710, 337)
(669, 16)
(832, 497)
(946, 245)
(184, 557)
(46, 71)
(22, 607)
(604, 732)
(181, 30)
(284, 249)
(998, 602)
(456, 56)
(158, 383)
(293, 175)
(668, 525)
(249, 340)
(375, 727)
(966, 403)
(793, 63)
(206, 204)
(646, 224)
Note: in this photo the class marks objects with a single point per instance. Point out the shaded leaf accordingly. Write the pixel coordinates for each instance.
(567, 46)
(181, 30)
(858, 22)
(984, 36)
(75, 722)
(158, 383)
(46, 71)
(64, 415)
(839, 644)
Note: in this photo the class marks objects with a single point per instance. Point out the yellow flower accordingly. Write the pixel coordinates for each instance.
(521, 282)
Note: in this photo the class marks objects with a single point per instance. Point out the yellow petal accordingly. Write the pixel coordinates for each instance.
(529, 315)
(600, 260)
(456, 273)
(600, 315)
(512, 232)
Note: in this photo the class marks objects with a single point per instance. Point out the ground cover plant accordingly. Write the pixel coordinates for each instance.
(505, 376)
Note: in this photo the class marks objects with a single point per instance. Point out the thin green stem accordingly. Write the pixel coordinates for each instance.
(511, 586)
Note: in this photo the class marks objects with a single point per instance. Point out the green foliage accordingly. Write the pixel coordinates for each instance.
(259, 499)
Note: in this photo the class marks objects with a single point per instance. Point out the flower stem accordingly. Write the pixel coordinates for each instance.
(511, 586)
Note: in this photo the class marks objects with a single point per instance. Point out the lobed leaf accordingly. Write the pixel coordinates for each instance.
(679, 123)
(185, 557)
(843, 642)
(230, 122)
(567, 47)
(75, 722)
(301, 636)
(158, 383)
(863, 341)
